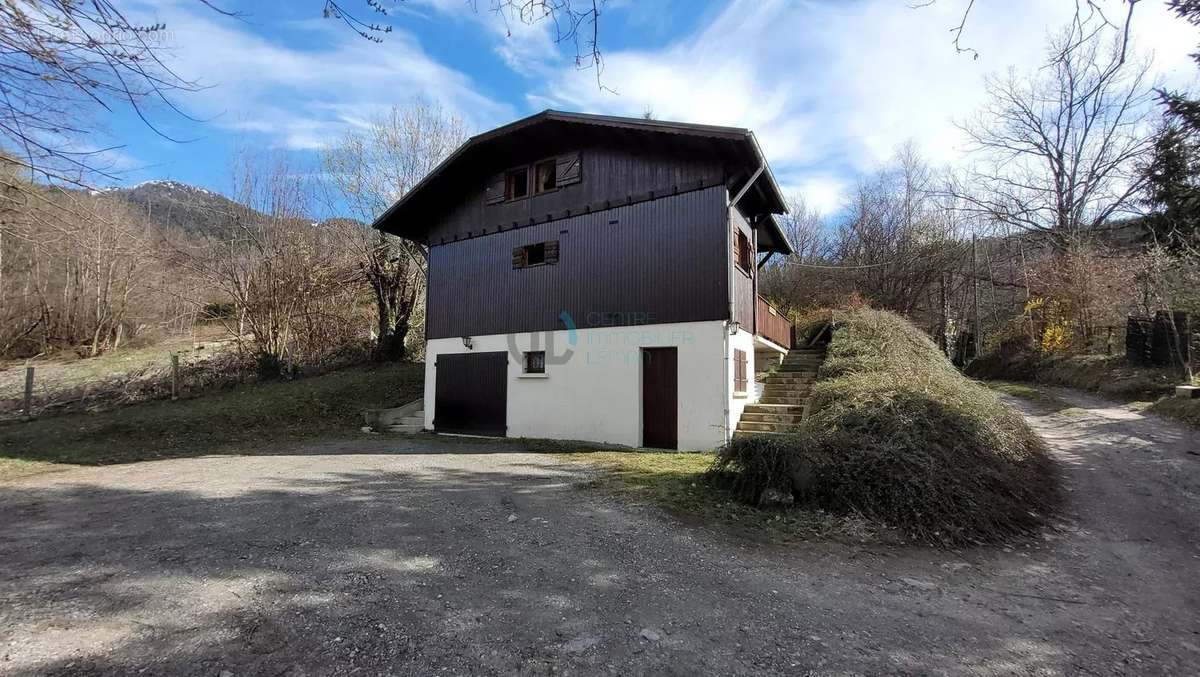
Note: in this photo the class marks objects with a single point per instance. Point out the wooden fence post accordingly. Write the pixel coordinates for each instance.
(174, 376)
(29, 392)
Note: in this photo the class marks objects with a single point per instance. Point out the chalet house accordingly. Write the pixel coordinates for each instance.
(595, 278)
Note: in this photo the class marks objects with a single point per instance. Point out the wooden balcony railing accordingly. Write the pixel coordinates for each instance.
(772, 325)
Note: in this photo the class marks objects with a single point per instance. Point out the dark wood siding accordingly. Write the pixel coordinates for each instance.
(608, 175)
(743, 284)
(653, 262)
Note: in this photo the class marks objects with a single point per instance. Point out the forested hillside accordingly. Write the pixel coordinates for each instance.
(89, 271)
(175, 205)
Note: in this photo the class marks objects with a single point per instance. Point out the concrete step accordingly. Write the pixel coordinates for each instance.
(749, 433)
(791, 377)
(762, 408)
(757, 427)
(789, 393)
(405, 428)
(798, 367)
(382, 419)
(796, 401)
(789, 385)
(751, 417)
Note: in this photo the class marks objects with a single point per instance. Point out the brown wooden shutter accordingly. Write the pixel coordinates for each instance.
(520, 258)
(569, 169)
(551, 251)
(495, 190)
(740, 382)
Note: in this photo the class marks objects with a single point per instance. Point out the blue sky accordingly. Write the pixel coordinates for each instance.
(832, 88)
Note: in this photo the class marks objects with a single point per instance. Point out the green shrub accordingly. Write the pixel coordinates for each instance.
(898, 435)
(753, 465)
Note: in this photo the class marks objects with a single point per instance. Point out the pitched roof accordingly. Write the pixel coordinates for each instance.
(735, 143)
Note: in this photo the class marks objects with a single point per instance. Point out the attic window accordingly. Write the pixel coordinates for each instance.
(516, 184)
(545, 176)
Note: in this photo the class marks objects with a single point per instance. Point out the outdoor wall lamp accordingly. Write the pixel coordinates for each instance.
(467, 342)
(734, 327)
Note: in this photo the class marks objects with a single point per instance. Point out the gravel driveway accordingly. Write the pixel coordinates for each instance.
(369, 557)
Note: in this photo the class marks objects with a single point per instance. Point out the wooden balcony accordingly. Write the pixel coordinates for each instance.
(772, 324)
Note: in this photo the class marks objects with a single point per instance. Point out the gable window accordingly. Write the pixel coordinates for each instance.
(545, 176)
(536, 254)
(535, 362)
(743, 253)
(516, 184)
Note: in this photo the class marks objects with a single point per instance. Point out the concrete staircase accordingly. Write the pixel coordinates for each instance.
(785, 394)
(409, 418)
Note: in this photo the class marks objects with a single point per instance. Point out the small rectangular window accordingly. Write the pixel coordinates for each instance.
(516, 184)
(743, 253)
(535, 362)
(537, 254)
(545, 176)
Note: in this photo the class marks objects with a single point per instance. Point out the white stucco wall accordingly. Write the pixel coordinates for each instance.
(595, 394)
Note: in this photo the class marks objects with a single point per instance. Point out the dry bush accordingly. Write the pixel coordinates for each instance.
(899, 436)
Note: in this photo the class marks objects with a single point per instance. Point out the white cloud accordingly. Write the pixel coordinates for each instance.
(305, 96)
(832, 89)
(823, 193)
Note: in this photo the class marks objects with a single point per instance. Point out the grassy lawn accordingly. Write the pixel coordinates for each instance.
(676, 483)
(59, 373)
(241, 419)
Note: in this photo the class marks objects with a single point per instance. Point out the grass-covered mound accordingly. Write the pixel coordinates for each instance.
(897, 435)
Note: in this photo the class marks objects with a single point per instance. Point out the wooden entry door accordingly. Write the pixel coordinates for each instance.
(660, 398)
(471, 393)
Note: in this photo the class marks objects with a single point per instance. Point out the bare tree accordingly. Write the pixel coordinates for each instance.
(62, 63)
(1093, 13)
(575, 22)
(372, 169)
(1058, 153)
(294, 288)
(900, 239)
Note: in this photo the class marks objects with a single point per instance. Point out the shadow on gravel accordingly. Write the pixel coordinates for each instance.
(445, 568)
(328, 574)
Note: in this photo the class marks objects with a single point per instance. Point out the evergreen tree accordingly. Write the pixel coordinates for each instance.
(1185, 109)
(1173, 184)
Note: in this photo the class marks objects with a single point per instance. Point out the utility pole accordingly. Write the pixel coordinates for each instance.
(975, 294)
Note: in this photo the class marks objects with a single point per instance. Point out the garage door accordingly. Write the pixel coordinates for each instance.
(471, 393)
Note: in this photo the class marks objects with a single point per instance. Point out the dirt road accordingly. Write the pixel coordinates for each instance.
(369, 558)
